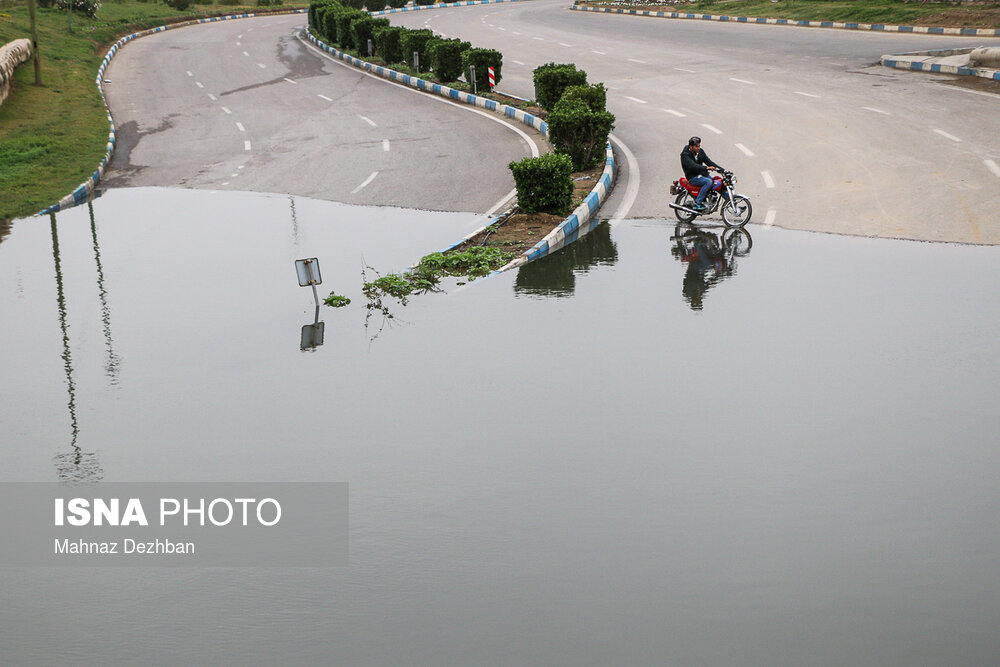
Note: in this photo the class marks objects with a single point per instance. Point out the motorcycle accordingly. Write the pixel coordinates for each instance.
(735, 208)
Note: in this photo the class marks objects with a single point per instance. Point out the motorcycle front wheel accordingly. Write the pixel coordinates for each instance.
(684, 199)
(737, 212)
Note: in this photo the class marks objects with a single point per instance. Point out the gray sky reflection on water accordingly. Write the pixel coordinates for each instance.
(554, 466)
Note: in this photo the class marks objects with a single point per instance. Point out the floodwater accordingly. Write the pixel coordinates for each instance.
(640, 450)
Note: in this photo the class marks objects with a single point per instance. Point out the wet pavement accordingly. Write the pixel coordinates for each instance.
(660, 445)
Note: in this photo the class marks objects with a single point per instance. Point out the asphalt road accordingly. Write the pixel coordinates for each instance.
(246, 105)
(821, 137)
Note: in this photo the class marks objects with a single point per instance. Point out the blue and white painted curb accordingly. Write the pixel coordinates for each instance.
(84, 190)
(960, 32)
(571, 227)
(919, 61)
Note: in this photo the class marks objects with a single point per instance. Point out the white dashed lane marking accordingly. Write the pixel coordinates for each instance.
(711, 128)
(769, 218)
(240, 127)
(992, 166)
(246, 145)
(749, 83)
(874, 110)
(363, 185)
(368, 120)
(226, 109)
(947, 136)
(290, 80)
(768, 179)
(681, 69)
(799, 92)
(746, 151)
(385, 145)
(325, 98)
(635, 99)
(633, 60)
(675, 113)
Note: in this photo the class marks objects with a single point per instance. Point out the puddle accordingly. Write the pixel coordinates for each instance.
(651, 446)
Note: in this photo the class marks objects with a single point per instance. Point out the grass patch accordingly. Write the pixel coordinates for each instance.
(891, 12)
(54, 136)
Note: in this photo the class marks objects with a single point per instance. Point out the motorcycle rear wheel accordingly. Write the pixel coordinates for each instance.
(737, 212)
(684, 199)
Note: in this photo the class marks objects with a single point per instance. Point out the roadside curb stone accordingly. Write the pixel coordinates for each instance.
(961, 32)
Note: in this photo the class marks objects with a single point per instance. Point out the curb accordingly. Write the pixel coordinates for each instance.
(84, 190)
(571, 227)
(915, 62)
(880, 27)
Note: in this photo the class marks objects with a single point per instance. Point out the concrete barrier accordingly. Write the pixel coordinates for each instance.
(985, 56)
(12, 54)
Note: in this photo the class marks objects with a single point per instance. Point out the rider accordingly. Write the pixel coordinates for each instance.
(696, 165)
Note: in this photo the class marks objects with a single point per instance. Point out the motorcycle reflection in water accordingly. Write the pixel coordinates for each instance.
(709, 257)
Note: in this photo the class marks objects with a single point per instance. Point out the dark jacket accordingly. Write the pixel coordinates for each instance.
(695, 166)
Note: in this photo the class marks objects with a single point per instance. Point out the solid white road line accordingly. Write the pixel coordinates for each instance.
(746, 151)
(635, 99)
(993, 167)
(947, 136)
(632, 189)
(711, 128)
(768, 179)
(240, 127)
(226, 109)
(873, 109)
(368, 120)
(385, 145)
(676, 113)
(325, 98)
(363, 185)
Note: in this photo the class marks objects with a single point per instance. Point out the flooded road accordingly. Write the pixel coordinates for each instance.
(651, 448)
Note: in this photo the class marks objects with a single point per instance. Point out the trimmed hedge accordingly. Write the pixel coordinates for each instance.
(446, 58)
(363, 29)
(387, 43)
(579, 132)
(482, 59)
(594, 96)
(416, 40)
(552, 79)
(544, 184)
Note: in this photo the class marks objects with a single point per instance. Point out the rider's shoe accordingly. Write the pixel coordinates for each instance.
(698, 206)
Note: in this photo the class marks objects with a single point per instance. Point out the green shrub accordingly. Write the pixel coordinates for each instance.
(482, 59)
(594, 96)
(544, 184)
(353, 4)
(327, 18)
(387, 43)
(374, 5)
(579, 132)
(363, 29)
(446, 58)
(416, 40)
(424, 2)
(344, 19)
(552, 79)
(397, 4)
(269, 3)
(90, 7)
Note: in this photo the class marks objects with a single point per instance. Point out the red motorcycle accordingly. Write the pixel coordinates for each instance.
(735, 208)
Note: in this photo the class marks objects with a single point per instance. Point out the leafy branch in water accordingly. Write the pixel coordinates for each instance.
(336, 300)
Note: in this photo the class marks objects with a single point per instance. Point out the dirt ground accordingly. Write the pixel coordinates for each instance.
(520, 231)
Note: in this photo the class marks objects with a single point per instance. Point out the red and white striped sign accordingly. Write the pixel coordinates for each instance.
(493, 78)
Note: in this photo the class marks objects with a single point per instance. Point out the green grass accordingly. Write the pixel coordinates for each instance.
(890, 12)
(53, 136)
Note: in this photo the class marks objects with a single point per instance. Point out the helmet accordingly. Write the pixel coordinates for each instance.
(694, 141)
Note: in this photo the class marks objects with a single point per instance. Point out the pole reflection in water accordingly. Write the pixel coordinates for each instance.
(111, 366)
(710, 257)
(75, 465)
(555, 274)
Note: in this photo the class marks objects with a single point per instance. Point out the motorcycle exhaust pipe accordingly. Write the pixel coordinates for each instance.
(685, 209)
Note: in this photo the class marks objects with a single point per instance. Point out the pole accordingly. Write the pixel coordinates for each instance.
(34, 43)
(472, 75)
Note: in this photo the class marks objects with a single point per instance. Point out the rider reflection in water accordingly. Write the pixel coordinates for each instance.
(696, 165)
(709, 258)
